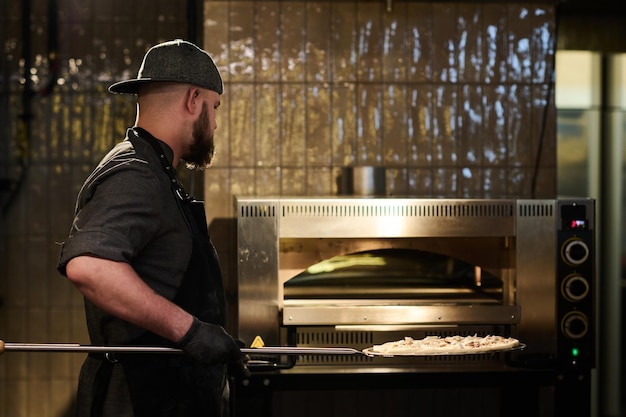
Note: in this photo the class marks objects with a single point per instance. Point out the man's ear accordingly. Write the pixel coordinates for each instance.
(191, 99)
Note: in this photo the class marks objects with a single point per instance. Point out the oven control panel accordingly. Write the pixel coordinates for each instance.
(576, 283)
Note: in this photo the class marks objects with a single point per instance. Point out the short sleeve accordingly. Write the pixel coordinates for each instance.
(119, 218)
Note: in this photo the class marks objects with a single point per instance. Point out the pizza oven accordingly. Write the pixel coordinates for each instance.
(358, 271)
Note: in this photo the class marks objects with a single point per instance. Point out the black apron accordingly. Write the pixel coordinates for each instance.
(166, 385)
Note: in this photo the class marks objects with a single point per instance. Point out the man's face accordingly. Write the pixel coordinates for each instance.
(200, 154)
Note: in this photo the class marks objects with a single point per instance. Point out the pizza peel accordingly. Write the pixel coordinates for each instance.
(75, 347)
(265, 350)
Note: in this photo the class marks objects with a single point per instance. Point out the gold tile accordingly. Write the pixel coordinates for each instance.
(368, 35)
(344, 124)
(395, 53)
(268, 136)
(494, 67)
(292, 41)
(470, 42)
(293, 111)
(243, 182)
(368, 124)
(217, 192)
(395, 127)
(494, 146)
(343, 48)
(318, 41)
(470, 129)
(267, 181)
(62, 396)
(445, 134)
(293, 182)
(215, 34)
(17, 398)
(317, 132)
(419, 38)
(241, 35)
(320, 182)
(38, 398)
(241, 132)
(267, 42)
(397, 182)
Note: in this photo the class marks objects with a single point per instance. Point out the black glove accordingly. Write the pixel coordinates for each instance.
(209, 344)
(239, 368)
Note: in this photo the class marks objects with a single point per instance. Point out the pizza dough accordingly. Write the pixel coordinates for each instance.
(451, 345)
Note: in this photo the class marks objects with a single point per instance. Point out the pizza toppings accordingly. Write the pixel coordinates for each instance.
(452, 345)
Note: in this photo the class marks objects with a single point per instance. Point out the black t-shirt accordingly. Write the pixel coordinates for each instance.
(126, 211)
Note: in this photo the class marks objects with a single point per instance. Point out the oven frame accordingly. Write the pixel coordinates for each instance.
(527, 227)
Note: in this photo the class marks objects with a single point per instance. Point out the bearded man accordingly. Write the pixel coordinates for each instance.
(139, 252)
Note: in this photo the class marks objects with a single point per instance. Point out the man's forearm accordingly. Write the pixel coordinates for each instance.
(116, 288)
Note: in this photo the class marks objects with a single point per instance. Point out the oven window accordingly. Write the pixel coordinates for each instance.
(400, 274)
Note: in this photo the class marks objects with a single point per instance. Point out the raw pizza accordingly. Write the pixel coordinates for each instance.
(451, 345)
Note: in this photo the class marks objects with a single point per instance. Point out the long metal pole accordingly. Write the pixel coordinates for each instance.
(74, 347)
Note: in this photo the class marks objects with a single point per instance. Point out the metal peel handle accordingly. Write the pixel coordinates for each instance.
(75, 347)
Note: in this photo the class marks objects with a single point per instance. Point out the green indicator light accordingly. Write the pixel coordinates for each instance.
(575, 352)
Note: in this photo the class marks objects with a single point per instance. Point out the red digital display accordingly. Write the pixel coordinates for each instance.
(577, 224)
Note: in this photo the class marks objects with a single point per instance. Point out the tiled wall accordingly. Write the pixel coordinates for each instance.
(449, 97)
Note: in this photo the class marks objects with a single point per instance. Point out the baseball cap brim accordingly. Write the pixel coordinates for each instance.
(129, 86)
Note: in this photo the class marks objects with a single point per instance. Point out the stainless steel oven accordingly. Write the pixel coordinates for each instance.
(361, 271)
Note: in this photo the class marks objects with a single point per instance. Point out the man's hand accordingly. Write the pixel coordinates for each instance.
(239, 368)
(210, 344)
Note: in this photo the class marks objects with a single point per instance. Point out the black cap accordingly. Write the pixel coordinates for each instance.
(174, 61)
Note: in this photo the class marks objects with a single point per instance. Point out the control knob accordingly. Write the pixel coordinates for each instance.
(575, 251)
(575, 287)
(575, 325)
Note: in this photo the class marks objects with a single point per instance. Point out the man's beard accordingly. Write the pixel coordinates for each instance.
(200, 154)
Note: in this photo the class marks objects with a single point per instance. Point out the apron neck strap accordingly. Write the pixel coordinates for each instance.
(177, 187)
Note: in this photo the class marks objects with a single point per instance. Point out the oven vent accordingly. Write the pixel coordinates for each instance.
(399, 209)
(536, 210)
(471, 331)
(258, 210)
(327, 338)
(479, 357)
(333, 359)
(330, 338)
(466, 210)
